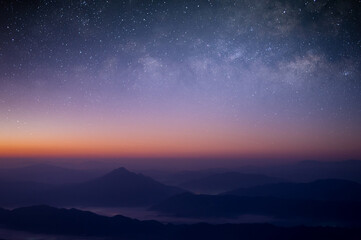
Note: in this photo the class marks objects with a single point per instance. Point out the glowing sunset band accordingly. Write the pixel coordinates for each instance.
(166, 139)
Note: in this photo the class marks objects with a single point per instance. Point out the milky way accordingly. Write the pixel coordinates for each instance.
(172, 78)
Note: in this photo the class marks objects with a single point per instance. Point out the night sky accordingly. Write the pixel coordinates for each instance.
(249, 79)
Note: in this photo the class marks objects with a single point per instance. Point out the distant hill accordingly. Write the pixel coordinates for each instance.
(49, 174)
(327, 189)
(176, 178)
(221, 206)
(19, 193)
(306, 171)
(120, 187)
(73, 222)
(303, 171)
(217, 183)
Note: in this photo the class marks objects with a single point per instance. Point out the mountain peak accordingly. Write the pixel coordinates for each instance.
(120, 170)
(122, 174)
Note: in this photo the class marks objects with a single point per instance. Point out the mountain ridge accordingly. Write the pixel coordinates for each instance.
(220, 182)
(73, 222)
(322, 189)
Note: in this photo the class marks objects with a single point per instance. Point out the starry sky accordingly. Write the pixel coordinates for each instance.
(181, 78)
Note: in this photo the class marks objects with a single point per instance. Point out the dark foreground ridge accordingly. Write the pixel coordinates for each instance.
(50, 220)
(220, 206)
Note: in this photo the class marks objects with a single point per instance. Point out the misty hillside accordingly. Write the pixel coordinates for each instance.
(217, 183)
(16, 193)
(176, 178)
(73, 222)
(306, 171)
(231, 206)
(326, 189)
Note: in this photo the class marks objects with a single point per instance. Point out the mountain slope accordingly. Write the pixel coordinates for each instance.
(306, 171)
(326, 189)
(217, 183)
(117, 188)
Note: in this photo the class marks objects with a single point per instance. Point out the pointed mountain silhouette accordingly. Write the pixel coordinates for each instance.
(326, 189)
(217, 183)
(120, 187)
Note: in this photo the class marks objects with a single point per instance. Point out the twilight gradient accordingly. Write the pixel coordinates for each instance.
(226, 78)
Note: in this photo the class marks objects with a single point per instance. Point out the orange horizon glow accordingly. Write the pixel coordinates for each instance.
(177, 135)
(182, 144)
